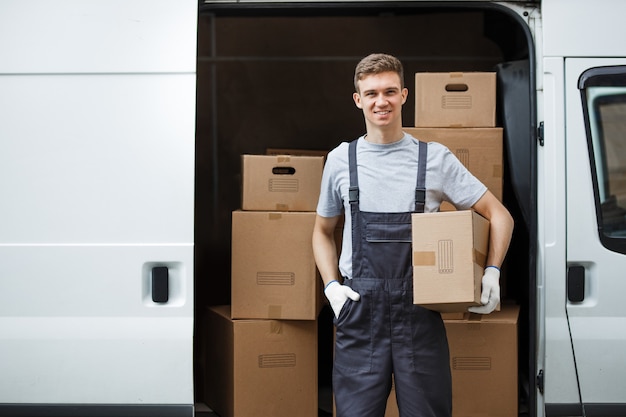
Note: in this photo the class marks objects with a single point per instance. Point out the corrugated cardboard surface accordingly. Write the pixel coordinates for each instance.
(297, 152)
(484, 363)
(281, 182)
(273, 273)
(449, 254)
(479, 149)
(260, 367)
(455, 99)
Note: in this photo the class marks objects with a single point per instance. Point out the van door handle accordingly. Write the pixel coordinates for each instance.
(160, 284)
(576, 283)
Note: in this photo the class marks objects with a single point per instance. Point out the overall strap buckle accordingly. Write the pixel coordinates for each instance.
(353, 195)
(420, 199)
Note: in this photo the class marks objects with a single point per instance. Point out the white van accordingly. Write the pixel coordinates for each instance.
(121, 127)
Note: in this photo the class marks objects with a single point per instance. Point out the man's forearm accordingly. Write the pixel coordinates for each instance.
(500, 232)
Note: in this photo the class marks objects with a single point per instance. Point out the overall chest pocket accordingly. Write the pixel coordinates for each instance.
(385, 232)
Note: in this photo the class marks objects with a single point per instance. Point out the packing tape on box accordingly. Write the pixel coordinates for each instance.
(475, 317)
(283, 158)
(454, 316)
(480, 258)
(424, 258)
(474, 323)
(497, 171)
(274, 216)
(276, 327)
(429, 258)
(274, 311)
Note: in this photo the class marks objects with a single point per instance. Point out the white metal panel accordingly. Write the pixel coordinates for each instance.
(78, 325)
(559, 368)
(97, 158)
(575, 27)
(598, 324)
(79, 36)
(96, 361)
(93, 280)
(97, 119)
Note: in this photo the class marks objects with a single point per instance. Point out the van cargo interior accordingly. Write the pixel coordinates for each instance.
(280, 75)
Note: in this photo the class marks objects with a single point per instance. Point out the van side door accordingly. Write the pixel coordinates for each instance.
(97, 119)
(596, 230)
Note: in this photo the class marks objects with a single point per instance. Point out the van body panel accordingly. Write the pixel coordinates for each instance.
(97, 37)
(582, 371)
(95, 158)
(574, 28)
(96, 281)
(76, 366)
(96, 410)
(597, 321)
(97, 114)
(558, 364)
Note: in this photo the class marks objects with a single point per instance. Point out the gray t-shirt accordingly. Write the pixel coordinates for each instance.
(387, 178)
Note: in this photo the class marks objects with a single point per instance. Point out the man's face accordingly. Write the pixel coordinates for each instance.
(381, 97)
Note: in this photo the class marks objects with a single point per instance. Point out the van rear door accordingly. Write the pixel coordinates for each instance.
(97, 116)
(596, 230)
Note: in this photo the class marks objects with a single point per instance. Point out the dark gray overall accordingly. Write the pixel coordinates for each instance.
(384, 333)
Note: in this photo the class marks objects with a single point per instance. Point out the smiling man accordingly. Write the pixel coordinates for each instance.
(378, 181)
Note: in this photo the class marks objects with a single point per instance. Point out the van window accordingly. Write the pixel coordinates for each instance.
(604, 100)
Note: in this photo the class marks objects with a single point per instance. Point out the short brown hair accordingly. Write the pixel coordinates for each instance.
(376, 64)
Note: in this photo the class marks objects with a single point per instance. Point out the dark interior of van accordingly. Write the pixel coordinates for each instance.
(279, 75)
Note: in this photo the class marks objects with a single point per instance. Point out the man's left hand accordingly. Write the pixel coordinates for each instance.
(490, 297)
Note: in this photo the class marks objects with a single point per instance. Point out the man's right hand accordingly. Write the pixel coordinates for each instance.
(337, 295)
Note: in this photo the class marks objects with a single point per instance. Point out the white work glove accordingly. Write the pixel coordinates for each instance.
(338, 294)
(490, 297)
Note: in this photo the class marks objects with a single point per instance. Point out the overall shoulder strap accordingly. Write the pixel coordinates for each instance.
(420, 188)
(353, 193)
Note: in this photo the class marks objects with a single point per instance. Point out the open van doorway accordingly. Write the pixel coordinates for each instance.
(279, 75)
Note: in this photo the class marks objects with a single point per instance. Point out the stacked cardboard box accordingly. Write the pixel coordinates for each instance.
(281, 182)
(260, 367)
(273, 271)
(483, 361)
(449, 252)
(455, 99)
(263, 360)
(478, 148)
(458, 110)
